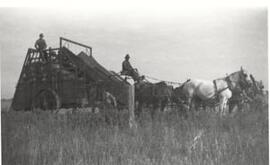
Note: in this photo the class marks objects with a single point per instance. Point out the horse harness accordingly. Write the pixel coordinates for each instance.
(217, 92)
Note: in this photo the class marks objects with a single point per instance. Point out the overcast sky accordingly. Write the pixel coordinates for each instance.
(187, 43)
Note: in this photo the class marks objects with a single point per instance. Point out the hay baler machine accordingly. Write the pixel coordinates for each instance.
(58, 78)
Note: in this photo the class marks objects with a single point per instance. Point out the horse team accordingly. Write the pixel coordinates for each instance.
(229, 91)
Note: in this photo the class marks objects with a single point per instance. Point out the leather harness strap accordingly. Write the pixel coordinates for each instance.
(216, 89)
(229, 82)
(215, 84)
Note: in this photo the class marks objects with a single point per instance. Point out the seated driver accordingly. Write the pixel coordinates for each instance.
(127, 69)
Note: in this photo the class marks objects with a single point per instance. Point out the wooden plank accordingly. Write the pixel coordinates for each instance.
(131, 106)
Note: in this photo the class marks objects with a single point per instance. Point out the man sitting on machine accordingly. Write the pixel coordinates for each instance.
(128, 70)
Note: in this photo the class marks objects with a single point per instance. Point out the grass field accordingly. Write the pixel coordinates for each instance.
(202, 138)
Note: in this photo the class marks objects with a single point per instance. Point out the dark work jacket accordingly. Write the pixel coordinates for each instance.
(126, 66)
(40, 44)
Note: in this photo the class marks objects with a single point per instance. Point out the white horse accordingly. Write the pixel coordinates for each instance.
(110, 99)
(220, 89)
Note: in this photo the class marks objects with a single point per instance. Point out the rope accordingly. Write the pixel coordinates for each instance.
(156, 79)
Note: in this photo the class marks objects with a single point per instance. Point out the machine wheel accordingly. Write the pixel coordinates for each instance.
(46, 99)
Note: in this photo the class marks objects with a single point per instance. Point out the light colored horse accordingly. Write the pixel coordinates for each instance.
(110, 99)
(220, 89)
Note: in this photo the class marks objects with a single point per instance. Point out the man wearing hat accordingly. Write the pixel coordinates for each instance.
(127, 69)
(41, 45)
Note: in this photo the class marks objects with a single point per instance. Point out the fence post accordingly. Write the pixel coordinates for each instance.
(131, 106)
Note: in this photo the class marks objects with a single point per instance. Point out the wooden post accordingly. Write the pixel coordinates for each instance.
(131, 106)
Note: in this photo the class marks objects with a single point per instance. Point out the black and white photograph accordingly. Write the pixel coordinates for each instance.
(134, 83)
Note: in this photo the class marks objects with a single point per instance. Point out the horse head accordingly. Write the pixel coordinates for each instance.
(178, 92)
(257, 86)
(239, 80)
(245, 80)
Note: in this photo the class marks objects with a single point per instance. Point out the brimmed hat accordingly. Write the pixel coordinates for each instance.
(127, 56)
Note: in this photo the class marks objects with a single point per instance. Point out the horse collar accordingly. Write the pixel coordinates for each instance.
(216, 88)
(229, 82)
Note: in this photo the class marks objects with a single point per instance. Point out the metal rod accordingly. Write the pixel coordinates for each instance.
(35, 50)
(76, 43)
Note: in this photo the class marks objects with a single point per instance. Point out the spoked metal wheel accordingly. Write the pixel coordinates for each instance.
(46, 100)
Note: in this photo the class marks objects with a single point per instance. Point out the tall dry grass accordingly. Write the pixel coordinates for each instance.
(203, 138)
